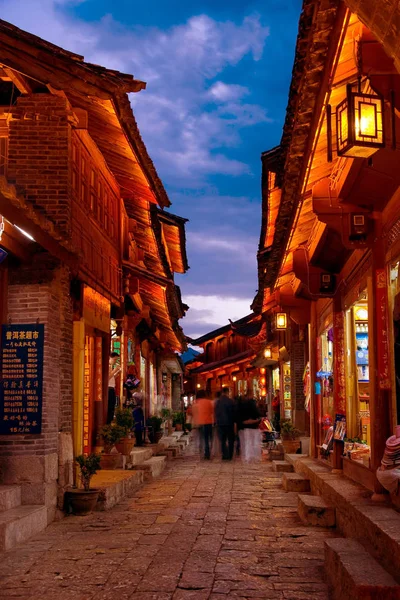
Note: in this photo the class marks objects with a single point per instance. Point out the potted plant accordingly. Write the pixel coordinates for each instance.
(124, 419)
(83, 501)
(166, 415)
(111, 435)
(155, 433)
(179, 421)
(289, 435)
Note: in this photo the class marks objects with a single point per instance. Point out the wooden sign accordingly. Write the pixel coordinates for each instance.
(96, 309)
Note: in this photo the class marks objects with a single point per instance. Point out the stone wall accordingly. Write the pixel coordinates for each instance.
(40, 293)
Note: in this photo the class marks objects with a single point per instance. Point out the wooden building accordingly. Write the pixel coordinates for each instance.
(229, 360)
(329, 248)
(87, 250)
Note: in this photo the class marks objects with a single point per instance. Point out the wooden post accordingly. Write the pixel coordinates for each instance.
(380, 380)
(339, 381)
(313, 370)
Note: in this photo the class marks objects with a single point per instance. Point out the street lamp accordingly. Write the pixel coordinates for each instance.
(359, 124)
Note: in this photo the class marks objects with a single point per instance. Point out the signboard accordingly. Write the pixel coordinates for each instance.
(21, 383)
(382, 350)
(96, 309)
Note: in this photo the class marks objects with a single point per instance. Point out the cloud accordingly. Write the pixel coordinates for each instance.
(223, 92)
(211, 312)
(183, 103)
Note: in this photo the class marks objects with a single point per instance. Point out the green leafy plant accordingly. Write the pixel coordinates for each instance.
(88, 465)
(155, 422)
(355, 440)
(166, 414)
(288, 430)
(124, 419)
(178, 418)
(111, 435)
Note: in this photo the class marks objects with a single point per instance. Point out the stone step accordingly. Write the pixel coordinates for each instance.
(313, 510)
(353, 573)
(139, 455)
(19, 524)
(292, 482)
(281, 466)
(10, 497)
(155, 465)
(115, 485)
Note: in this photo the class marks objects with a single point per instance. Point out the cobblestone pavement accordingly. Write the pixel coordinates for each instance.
(203, 530)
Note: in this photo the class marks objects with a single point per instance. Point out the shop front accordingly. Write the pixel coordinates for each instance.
(91, 343)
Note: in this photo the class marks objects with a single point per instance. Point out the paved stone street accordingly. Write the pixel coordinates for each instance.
(202, 530)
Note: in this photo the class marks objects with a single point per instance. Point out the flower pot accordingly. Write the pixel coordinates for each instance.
(82, 502)
(155, 437)
(290, 446)
(125, 446)
(178, 427)
(111, 461)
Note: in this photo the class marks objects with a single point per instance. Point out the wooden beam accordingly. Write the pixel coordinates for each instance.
(19, 80)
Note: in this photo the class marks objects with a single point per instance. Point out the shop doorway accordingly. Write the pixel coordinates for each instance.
(358, 387)
(395, 299)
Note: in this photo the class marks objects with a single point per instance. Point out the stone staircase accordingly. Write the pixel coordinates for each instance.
(142, 464)
(18, 522)
(365, 563)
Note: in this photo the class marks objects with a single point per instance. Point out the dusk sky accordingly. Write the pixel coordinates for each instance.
(218, 75)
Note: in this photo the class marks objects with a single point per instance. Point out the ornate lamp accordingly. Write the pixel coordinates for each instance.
(268, 352)
(359, 124)
(281, 320)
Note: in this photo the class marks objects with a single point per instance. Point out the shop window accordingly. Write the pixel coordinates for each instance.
(324, 388)
(210, 354)
(357, 382)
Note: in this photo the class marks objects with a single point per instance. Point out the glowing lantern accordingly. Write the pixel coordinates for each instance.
(263, 393)
(198, 386)
(262, 380)
(281, 320)
(359, 124)
(234, 378)
(268, 352)
(262, 371)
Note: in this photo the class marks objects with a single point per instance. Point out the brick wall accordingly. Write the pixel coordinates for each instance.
(39, 147)
(43, 293)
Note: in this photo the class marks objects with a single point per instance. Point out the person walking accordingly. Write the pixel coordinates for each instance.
(225, 420)
(113, 370)
(205, 419)
(248, 424)
(138, 417)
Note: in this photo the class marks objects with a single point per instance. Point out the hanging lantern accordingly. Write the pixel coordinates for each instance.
(262, 371)
(359, 124)
(281, 320)
(234, 378)
(268, 352)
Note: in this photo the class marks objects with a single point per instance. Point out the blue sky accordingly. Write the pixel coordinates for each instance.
(218, 75)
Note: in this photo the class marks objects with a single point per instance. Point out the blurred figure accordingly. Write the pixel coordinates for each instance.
(138, 417)
(205, 419)
(225, 420)
(248, 420)
(113, 370)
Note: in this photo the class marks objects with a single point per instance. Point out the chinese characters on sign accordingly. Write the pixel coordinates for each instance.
(382, 330)
(21, 389)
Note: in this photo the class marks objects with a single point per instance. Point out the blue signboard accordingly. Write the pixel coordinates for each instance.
(21, 383)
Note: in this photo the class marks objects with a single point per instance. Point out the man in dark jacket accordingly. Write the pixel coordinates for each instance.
(225, 420)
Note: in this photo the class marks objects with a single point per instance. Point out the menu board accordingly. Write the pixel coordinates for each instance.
(21, 383)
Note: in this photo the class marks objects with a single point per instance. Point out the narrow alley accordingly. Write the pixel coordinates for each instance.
(203, 530)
